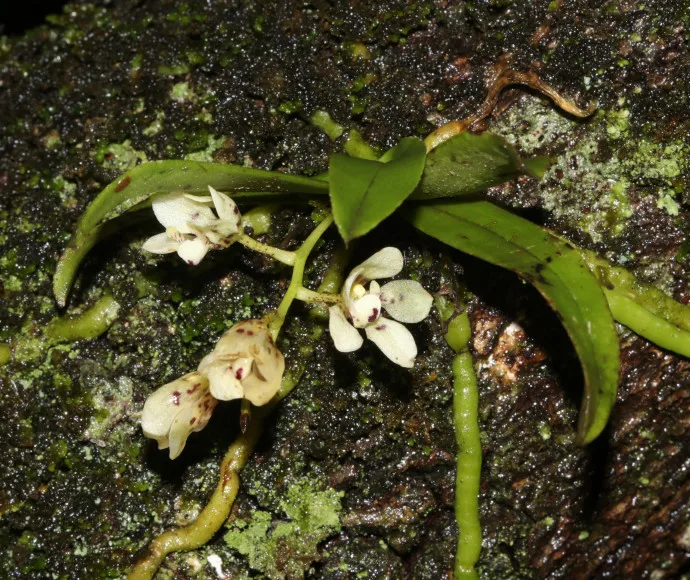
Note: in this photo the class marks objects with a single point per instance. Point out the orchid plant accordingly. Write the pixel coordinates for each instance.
(431, 184)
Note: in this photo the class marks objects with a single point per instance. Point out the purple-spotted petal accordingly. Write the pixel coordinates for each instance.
(245, 363)
(226, 208)
(187, 397)
(365, 310)
(406, 300)
(223, 382)
(394, 340)
(193, 251)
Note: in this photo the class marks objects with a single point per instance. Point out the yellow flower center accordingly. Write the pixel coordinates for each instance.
(358, 290)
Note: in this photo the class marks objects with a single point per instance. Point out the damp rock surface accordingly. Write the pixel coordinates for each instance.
(354, 475)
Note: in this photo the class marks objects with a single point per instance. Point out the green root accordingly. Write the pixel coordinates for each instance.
(216, 512)
(87, 325)
(469, 455)
(323, 121)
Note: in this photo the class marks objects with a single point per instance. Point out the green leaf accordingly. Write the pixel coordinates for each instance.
(642, 308)
(364, 192)
(139, 184)
(468, 164)
(538, 165)
(557, 271)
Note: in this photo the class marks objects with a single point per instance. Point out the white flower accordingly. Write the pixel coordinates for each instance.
(404, 300)
(191, 228)
(244, 364)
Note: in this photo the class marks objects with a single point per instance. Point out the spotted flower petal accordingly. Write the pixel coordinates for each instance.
(192, 229)
(406, 300)
(226, 208)
(365, 310)
(176, 410)
(394, 340)
(244, 364)
(223, 383)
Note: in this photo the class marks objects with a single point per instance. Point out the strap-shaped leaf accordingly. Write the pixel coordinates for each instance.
(364, 192)
(144, 181)
(642, 308)
(557, 271)
(468, 164)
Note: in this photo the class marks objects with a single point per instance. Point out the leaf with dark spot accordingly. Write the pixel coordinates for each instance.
(134, 190)
(559, 273)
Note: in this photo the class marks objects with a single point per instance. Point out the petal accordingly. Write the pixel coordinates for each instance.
(226, 208)
(161, 244)
(224, 385)
(374, 288)
(394, 340)
(245, 363)
(383, 264)
(165, 404)
(406, 300)
(269, 367)
(346, 291)
(243, 338)
(193, 251)
(177, 210)
(189, 420)
(260, 389)
(344, 335)
(365, 310)
(205, 199)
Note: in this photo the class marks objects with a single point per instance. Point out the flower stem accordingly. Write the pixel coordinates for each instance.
(469, 454)
(306, 295)
(217, 510)
(283, 256)
(301, 256)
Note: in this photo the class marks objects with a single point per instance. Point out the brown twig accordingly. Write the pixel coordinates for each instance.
(505, 79)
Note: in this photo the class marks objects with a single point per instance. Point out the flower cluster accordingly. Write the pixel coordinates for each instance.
(245, 363)
(404, 300)
(191, 228)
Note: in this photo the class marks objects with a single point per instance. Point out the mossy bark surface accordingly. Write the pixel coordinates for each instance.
(355, 473)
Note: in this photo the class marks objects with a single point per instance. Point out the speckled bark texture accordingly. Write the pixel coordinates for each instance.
(354, 475)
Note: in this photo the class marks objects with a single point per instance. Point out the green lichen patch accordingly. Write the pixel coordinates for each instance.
(288, 548)
(119, 157)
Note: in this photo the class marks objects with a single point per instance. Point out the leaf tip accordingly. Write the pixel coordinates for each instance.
(537, 166)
